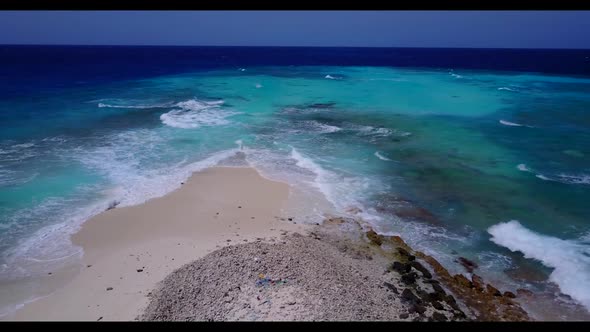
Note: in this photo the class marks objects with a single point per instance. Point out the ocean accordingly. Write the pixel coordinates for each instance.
(475, 153)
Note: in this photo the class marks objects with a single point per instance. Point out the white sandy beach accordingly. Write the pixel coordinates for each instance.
(128, 250)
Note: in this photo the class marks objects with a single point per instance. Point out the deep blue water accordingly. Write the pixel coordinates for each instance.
(28, 69)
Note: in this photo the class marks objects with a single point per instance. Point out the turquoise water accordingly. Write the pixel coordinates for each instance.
(459, 151)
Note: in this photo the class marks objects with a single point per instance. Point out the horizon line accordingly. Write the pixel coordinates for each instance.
(297, 46)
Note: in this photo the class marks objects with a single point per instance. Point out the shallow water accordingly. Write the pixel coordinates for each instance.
(436, 155)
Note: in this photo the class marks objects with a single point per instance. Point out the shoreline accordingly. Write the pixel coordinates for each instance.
(128, 250)
(132, 253)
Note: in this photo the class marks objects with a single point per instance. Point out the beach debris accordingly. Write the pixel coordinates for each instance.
(99, 319)
(109, 288)
(88, 265)
(139, 270)
(239, 207)
(263, 281)
(49, 273)
(290, 219)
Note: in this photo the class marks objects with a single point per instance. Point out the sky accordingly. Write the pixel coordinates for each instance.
(495, 29)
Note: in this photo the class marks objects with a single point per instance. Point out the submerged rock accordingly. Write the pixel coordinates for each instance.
(467, 264)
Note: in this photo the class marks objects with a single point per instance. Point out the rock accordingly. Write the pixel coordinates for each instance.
(109, 288)
(438, 268)
(404, 316)
(493, 290)
(374, 237)
(401, 267)
(477, 282)
(292, 303)
(467, 264)
(88, 265)
(523, 292)
(239, 207)
(437, 305)
(398, 241)
(290, 219)
(409, 296)
(509, 295)
(391, 287)
(354, 210)
(462, 281)
(438, 289)
(405, 254)
(139, 270)
(424, 296)
(417, 308)
(422, 269)
(409, 278)
(415, 213)
(525, 272)
(438, 317)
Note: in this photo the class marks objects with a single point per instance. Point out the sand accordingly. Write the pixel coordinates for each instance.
(128, 250)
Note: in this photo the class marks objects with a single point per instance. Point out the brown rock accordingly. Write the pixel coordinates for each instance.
(462, 281)
(398, 241)
(477, 282)
(509, 295)
(405, 254)
(493, 290)
(523, 292)
(438, 268)
(374, 237)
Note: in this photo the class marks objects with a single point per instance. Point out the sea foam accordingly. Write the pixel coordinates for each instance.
(570, 259)
(196, 113)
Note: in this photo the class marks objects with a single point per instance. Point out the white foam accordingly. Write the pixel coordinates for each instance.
(543, 177)
(242, 69)
(575, 179)
(508, 123)
(330, 77)
(196, 113)
(506, 89)
(258, 85)
(322, 128)
(522, 167)
(455, 75)
(570, 259)
(165, 105)
(382, 157)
